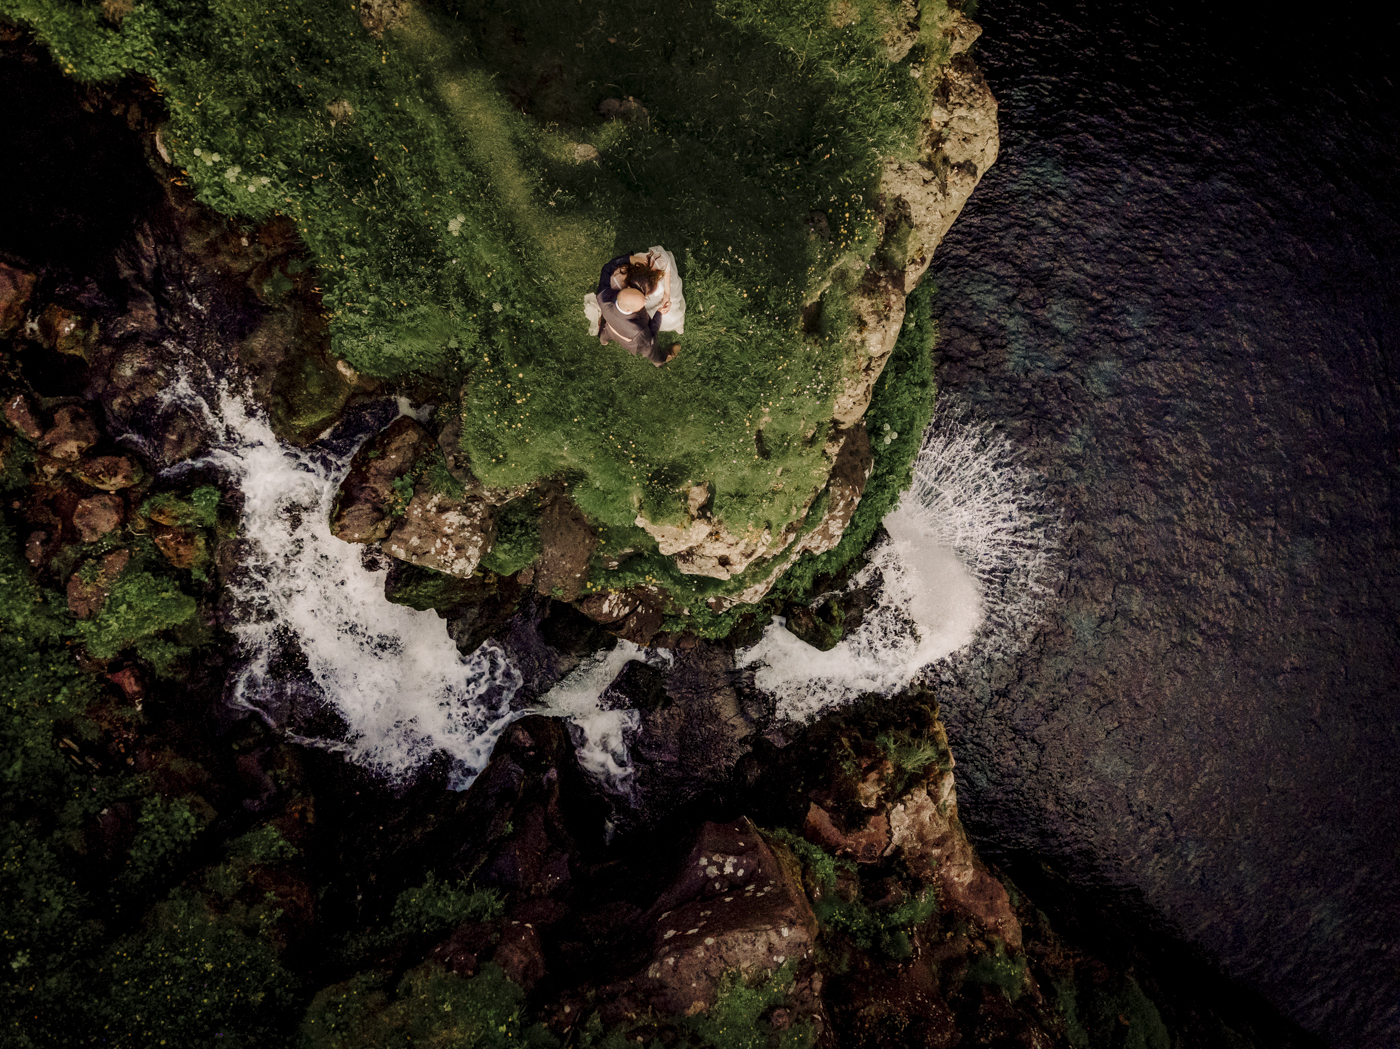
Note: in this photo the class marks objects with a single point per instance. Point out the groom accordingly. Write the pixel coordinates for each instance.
(626, 323)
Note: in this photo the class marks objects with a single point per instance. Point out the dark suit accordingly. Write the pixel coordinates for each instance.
(635, 332)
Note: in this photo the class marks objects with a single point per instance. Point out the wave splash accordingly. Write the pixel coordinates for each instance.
(969, 558)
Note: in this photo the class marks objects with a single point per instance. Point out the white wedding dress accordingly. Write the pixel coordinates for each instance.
(674, 318)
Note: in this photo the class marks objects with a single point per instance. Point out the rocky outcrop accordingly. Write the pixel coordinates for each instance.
(72, 434)
(852, 464)
(918, 201)
(388, 497)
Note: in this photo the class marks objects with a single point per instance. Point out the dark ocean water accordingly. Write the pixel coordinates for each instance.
(1179, 293)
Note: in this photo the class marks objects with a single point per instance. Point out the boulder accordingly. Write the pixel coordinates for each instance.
(16, 286)
(691, 730)
(65, 330)
(183, 547)
(97, 515)
(72, 434)
(442, 533)
(20, 414)
(368, 496)
(734, 906)
(111, 473)
(520, 954)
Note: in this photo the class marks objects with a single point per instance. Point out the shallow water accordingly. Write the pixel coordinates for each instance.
(1179, 293)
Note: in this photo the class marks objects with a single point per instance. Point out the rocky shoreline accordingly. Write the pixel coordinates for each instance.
(758, 884)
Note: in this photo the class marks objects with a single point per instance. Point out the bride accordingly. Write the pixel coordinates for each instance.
(653, 273)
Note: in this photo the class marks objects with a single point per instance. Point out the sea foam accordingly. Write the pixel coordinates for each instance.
(968, 559)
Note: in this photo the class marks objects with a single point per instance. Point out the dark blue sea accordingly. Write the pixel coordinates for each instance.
(1178, 291)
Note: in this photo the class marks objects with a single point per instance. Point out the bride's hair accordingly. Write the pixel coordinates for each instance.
(644, 278)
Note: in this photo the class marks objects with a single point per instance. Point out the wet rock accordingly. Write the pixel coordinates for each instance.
(89, 585)
(529, 817)
(825, 625)
(291, 369)
(111, 473)
(734, 906)
(72, 434)
(97, 515)
(16, 285)
(182, 437)
(638, 687)
(634, 615)
(368, 496)
(20, 414)
(442, 533)
(689, 739)
(65, 330)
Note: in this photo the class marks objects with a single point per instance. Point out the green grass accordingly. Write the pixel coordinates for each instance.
(434, 176)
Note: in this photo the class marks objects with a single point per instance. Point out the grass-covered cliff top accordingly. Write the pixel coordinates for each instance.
(439, 176)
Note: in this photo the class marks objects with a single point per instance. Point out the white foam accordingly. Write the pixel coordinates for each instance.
(967, 560)
(392, 673)
(600, 739)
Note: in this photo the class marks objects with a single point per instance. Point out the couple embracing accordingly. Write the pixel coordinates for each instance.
(638, 297)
